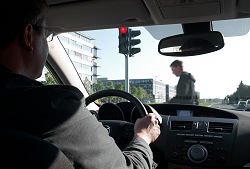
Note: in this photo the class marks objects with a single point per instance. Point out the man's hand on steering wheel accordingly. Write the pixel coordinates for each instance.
(147, 128)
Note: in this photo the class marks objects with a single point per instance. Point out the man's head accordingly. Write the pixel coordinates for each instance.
(23, 33)
(177, 67)
(16, 14)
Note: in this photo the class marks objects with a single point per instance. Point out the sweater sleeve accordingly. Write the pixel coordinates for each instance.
(139, 148)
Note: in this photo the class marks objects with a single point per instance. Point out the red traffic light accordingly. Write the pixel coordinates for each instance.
(123, 30)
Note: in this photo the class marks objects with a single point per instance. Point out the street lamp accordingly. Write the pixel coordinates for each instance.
(238, 92)
(161, 97)
(155, 88)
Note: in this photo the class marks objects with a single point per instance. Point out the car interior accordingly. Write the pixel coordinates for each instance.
(215, 135)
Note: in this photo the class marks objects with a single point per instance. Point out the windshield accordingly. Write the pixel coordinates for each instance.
(216, 78)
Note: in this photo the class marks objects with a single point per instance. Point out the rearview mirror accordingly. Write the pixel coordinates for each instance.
(191, 44)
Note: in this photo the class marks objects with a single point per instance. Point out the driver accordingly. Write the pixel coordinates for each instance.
(57, 113)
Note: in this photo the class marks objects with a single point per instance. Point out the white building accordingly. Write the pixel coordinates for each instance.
(83, 54)
(170, 92)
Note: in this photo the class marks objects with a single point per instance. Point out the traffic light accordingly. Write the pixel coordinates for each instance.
(134, 42)
(123, 40)
(127, 41)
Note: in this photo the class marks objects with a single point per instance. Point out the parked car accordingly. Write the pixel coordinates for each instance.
(248, 105)
(242, 105)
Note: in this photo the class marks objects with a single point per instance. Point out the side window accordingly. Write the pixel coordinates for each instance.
(47, 77)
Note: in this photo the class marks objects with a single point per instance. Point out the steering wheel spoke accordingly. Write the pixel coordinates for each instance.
(121, 131)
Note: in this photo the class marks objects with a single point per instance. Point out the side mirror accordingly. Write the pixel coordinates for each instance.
(191, 44)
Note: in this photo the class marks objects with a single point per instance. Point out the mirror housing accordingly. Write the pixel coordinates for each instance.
(191, 44)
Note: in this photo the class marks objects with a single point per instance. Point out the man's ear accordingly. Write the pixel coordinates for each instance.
(27, 37)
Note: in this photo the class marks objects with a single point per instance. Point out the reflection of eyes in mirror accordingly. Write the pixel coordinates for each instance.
(196, 44)
(190, 49)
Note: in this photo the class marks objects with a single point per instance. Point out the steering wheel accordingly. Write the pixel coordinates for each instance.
(121, 131)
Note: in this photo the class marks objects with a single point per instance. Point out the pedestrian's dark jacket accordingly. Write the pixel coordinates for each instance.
(57, 114)
(185, 91)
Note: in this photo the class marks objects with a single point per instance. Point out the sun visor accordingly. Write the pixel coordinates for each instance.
(244, 6)
(107, 13)
(186, 10)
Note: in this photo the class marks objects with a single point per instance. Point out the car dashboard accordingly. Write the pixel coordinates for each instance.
(193, 136)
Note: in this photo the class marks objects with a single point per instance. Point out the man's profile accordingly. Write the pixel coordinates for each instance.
(57, 113)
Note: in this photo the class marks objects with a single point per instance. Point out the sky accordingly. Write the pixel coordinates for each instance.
(217, 74)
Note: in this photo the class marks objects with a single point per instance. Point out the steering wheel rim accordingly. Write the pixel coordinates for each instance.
(114, 92)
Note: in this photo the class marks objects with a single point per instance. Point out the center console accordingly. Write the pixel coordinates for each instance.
(200, 141)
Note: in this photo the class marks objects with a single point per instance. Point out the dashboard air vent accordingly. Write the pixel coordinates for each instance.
(181, 125)
(220, 127)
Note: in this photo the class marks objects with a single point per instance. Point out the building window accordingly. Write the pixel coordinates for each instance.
(77, 65)
(76, 44)
(64, 39)
(75, 34)
(75, 54)
(87, 48)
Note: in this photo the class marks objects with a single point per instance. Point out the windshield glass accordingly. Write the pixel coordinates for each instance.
(216, 78)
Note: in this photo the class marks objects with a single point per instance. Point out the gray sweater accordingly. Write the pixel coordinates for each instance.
(57, 114)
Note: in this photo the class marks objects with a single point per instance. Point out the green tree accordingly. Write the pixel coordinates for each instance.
(110, 86)
(148, 96)
(119, 86)
(98, 86)
(133, 90)
(49, 79)
(242, 93)
(140, 93)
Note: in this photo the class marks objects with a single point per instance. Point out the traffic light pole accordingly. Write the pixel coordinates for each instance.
(126, 74)
(126, 63)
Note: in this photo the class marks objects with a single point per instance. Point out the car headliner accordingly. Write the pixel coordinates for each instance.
(79, 15)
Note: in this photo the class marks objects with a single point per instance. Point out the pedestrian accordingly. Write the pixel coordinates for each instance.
(185, 90)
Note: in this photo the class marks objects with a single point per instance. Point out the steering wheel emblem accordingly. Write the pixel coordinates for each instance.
(108, 128)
